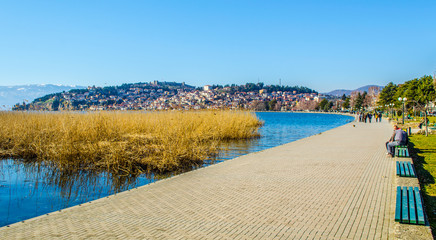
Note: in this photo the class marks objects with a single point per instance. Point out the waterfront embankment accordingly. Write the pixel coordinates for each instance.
(336, 185)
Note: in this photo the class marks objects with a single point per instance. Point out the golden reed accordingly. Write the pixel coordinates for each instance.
(121, 142)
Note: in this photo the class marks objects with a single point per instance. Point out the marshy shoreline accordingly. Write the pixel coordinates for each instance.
(121, 142)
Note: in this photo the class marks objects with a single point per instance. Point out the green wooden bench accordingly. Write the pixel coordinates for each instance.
(405, 169)
(401, 151)
(409, 206)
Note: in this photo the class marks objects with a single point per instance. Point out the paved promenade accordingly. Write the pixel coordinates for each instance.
(336, 185)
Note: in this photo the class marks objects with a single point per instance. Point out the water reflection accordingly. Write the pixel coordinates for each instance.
(29, 189)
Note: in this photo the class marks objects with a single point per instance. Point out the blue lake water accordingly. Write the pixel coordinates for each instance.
(28, 190)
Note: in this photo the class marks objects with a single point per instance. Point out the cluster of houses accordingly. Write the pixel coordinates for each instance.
(158, 96)
(212, 99)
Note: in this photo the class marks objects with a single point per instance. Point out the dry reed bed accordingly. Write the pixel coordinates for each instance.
(121, 142)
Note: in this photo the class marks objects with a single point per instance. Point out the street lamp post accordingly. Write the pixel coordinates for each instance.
(392, 110)
(387, 110)
(404, 99)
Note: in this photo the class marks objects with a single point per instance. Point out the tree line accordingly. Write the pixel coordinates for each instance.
(419, 93)
(255, 87)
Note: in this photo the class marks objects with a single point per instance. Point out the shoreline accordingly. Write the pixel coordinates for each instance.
(256, 147)
(289, 191)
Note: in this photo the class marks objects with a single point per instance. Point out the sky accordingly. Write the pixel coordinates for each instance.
(323, 45)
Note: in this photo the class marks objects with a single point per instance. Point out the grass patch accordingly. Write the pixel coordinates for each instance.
(423, 151)
(414, 123)
(121, 142)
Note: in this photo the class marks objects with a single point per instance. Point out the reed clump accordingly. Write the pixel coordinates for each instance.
(121, 142)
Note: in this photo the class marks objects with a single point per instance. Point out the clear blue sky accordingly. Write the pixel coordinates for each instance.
(324, 45)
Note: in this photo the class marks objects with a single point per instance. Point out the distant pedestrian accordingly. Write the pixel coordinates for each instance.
(422, 122)
(369, 117)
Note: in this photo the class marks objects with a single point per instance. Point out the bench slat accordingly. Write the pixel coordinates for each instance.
(405, 206)
(406, 168)
(398, 168)
(419, 209)
(412, 171)
(412, 210)
(398, 205)
(402, 172)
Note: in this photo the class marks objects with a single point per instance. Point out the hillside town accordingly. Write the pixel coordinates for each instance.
(170, 95)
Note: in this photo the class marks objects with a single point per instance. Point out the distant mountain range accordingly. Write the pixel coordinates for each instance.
(11, 95)
(340, 92)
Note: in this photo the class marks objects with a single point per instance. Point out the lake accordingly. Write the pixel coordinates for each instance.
(28, 190)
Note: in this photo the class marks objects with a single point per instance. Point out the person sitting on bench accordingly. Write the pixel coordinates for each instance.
(399, 137)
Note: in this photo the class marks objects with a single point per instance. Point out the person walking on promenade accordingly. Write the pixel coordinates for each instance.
(399, 137)
(369, 117)
(422, 123)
